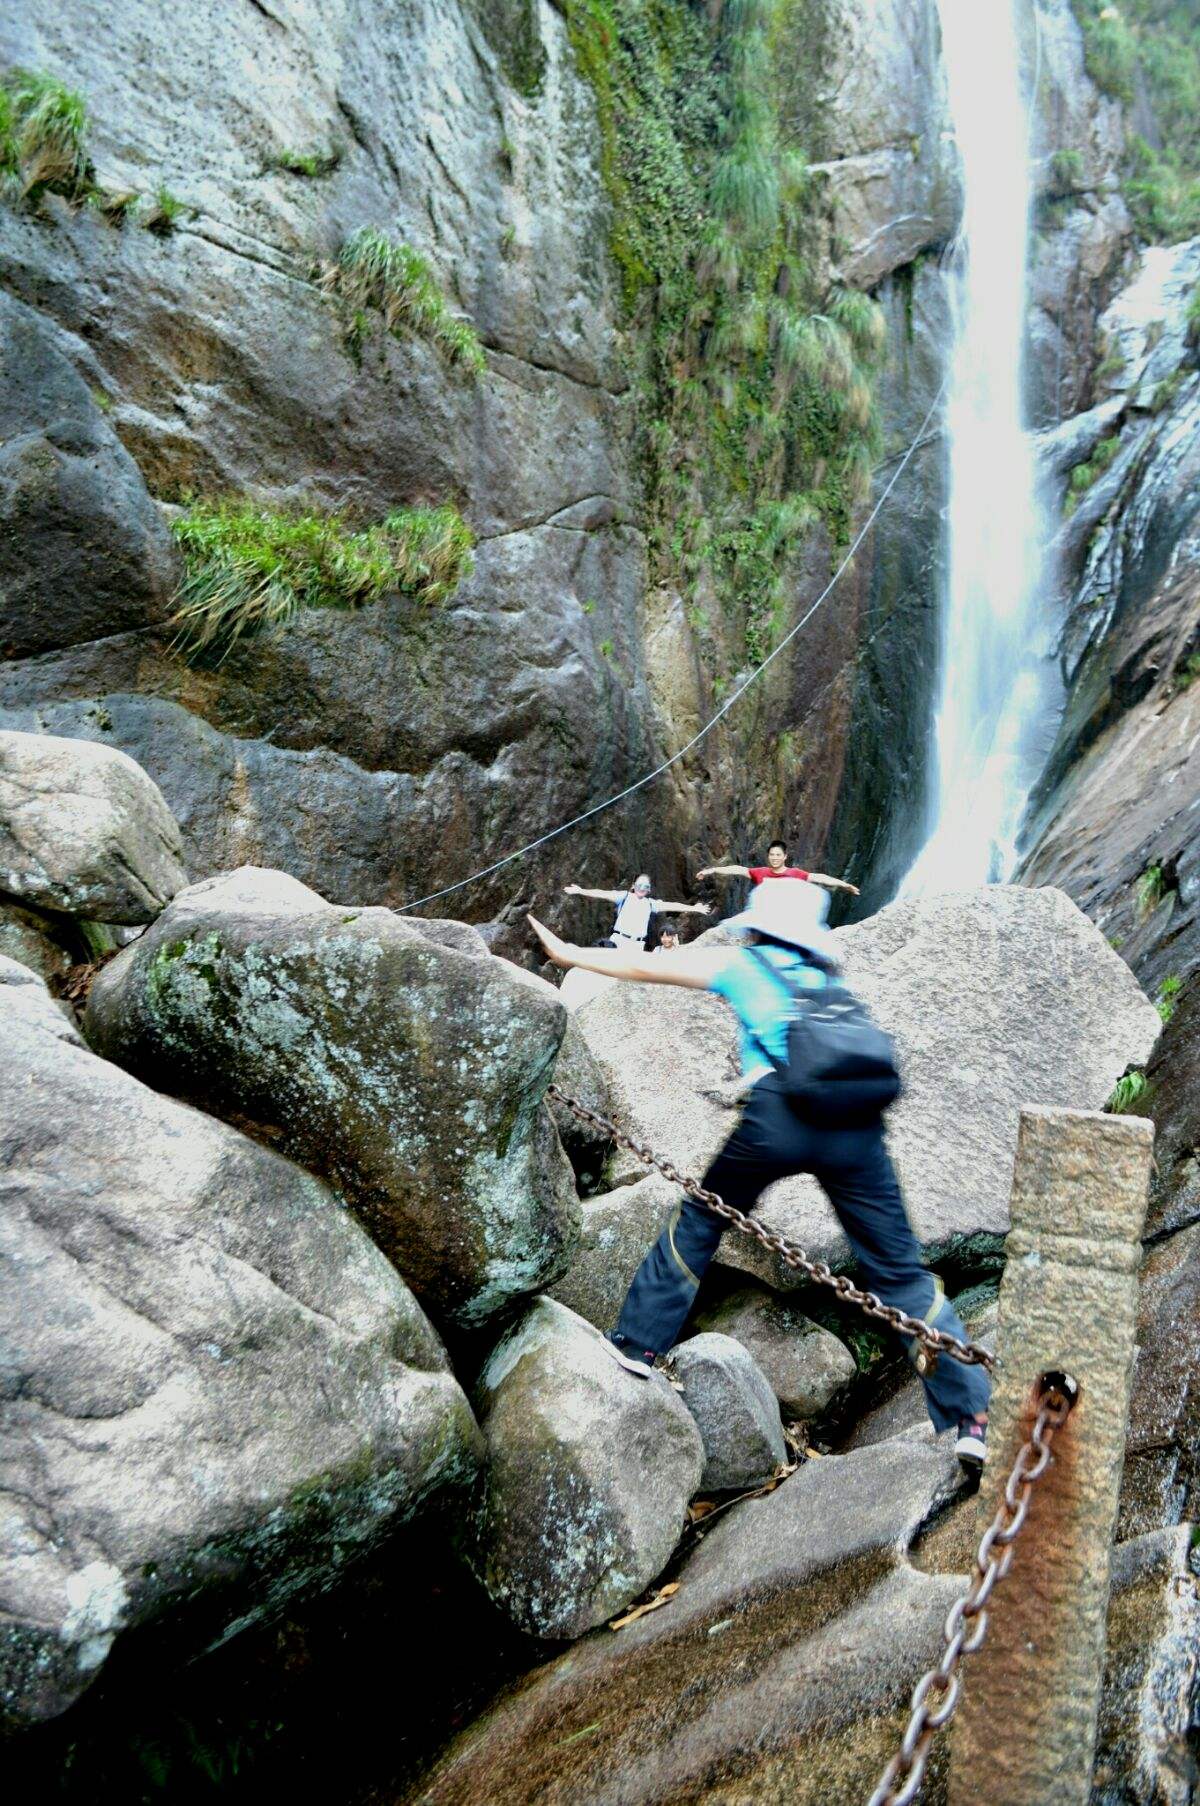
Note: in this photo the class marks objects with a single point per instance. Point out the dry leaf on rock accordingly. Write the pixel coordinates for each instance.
(639, 1611)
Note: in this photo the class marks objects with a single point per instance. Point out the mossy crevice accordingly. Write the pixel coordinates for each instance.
(754, 377)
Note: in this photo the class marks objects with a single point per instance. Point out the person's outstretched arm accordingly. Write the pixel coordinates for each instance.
(693, 967)
(605, 896)
(832, 883)
(684, 909)
(724, 871)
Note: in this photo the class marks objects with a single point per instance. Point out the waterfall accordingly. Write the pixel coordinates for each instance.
(992, 656)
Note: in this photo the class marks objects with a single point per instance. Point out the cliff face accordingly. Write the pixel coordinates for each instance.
(372, 753)
(382, 752)
(1113, 820)
(653, 508)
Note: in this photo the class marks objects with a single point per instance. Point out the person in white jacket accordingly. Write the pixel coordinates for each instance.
(635, 906)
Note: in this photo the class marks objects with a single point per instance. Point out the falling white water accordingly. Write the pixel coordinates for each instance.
(991, 656)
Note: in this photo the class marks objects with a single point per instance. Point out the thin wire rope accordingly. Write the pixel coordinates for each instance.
(640, 784)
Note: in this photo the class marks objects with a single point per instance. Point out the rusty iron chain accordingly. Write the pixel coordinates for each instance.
(933, 1341)
(901, 1779)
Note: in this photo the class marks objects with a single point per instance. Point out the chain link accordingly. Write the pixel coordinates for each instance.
(901, 1779)
(933, 1341)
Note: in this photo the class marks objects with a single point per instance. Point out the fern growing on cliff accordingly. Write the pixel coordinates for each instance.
(385, 276)
(248, 568)
(43, 133)
(758, 417)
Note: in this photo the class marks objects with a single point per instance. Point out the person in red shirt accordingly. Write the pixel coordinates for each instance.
(776, 867)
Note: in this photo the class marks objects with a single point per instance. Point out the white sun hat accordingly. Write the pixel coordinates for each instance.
(792, 911)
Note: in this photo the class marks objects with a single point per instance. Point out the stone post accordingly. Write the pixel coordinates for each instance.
(1025, 1731)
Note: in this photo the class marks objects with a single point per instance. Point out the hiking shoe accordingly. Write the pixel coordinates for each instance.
(632, 1360)
(971, 1446)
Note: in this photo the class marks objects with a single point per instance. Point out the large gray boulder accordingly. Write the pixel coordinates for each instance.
(24, 999)
(618, 1227)
(213, 1390)
(735, 1410)
(786, 1658)
(84, 831)
(805, 1366)
(407, 1071)
(577, 1072)
(996, 998)
(588, 1474)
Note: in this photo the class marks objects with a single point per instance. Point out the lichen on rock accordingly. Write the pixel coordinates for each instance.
(407, 1073)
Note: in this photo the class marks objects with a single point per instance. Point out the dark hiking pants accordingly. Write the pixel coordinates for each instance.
(855, 1171)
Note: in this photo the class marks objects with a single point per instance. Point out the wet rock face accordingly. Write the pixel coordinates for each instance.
(785, 1659)
(995, 997)
(892, 181)
(83, 550)
(218, 1390)
(408, 1073)
(1145, 1748)
(1172, 1098)
(1159, 1484)
(1112, 819)
(587, 1477)
(84, 831)
(880, 819)
(1082, 230)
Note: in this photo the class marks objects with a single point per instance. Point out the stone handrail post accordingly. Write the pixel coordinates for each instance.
(1025, 1732)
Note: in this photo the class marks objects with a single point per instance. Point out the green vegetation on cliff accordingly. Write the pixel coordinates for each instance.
(375, 274)
(43, 134)
(755, 377)
(248, 568)
(1146, 53)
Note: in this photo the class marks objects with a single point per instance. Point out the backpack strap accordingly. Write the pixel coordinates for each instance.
(795, 993)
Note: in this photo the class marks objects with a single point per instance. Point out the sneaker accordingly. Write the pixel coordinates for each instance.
(971, 1446)
(631, 1359)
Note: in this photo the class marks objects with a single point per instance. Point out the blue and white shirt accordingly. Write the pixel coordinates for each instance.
(762, 1006)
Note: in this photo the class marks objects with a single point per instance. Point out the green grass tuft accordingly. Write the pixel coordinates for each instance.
(378, 274)
(1066, 171)
(249, 569)
(43, 133)
(1084, 475)
(1186, 671)
(1193, 318)
(116, 205)
(162, 211)
(311, 163)
(1168, 994)
(1150, 890)
(1127, 1093)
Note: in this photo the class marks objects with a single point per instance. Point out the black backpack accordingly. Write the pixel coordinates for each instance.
(840, 1068)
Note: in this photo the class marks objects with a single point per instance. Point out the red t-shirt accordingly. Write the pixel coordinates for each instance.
(759, 872)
